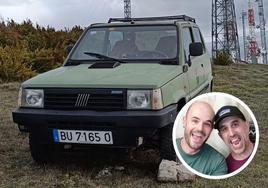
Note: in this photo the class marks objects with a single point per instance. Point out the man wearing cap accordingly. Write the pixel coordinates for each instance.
(234, 131)
(198, 124)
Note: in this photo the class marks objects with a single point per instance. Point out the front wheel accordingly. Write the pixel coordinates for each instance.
(166, 145)
(40, 153)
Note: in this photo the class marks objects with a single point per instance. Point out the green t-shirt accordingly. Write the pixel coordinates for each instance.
(207, 161)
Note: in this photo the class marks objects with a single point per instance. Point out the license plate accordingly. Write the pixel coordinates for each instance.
(82, 137)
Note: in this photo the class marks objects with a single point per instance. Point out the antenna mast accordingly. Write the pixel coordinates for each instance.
(127, 9)
(252, 42)
(244, 17)
(224, 29)
(262, 29)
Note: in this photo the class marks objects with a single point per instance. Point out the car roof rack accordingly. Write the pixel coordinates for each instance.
(163, 18)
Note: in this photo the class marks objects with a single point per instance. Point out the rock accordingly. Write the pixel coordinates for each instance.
(104, 173)
(107, 171)
(171, 171)
(119, 168)
(167, 171)
(184, 174)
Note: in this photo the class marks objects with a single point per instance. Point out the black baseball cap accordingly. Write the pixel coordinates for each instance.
(227, 111)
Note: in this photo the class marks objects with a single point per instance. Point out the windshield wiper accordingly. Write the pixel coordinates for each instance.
(104, 57)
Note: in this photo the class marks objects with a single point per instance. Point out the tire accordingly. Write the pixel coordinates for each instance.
(40, 153)
(166, 145)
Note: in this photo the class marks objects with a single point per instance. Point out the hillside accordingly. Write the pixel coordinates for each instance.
(248, 82)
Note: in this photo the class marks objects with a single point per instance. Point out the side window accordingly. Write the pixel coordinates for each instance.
(197, 36)
(187, 40)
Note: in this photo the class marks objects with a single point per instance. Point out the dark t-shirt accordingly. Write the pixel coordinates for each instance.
(234, 164)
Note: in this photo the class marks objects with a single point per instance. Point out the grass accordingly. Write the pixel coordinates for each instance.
(248, 82)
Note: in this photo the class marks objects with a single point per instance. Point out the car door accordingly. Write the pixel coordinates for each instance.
(193, 72)
(203, 60)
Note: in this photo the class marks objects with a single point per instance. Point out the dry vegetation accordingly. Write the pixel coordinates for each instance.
(27, 49)
(248, 82)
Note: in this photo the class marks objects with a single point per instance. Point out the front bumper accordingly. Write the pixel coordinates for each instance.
(126, 126)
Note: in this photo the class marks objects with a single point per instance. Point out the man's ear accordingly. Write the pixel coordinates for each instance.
(184, 121)
(248, 125)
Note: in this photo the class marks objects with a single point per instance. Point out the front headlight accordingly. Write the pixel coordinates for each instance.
(144, 99)
(33, 98)
(138, 99)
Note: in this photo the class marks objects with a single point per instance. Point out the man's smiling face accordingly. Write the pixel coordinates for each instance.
(235, 134)
(198, 126)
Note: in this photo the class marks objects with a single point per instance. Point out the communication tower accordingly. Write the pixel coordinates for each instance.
(127, 9)
(252, 43)
(262, 31)
(244, 18)
(224, 29)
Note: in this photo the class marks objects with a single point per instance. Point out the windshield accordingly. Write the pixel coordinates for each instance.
(128, 43)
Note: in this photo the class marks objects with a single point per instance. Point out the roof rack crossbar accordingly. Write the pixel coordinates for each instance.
(177, 17)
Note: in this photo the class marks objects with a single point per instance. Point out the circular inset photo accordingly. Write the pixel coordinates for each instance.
(215, 135)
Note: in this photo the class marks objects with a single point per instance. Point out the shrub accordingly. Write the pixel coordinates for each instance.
(13, 65)
(26, 50)
(45, 59)
(223, 58)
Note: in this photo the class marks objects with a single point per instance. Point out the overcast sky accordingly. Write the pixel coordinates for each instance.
(62, 14)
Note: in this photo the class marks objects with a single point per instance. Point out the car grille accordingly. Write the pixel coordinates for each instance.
(87, 99)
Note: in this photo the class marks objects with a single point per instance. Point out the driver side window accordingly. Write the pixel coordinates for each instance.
(187, 40)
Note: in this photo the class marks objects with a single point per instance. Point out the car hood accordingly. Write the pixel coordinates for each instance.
(129, 75)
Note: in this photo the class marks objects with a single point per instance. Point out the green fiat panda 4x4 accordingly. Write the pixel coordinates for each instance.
(121, 85)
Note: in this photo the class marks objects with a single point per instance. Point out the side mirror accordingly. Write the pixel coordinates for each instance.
(196, 49)
(69, 48)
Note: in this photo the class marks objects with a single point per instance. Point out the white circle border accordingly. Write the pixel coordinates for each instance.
(231, 97)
